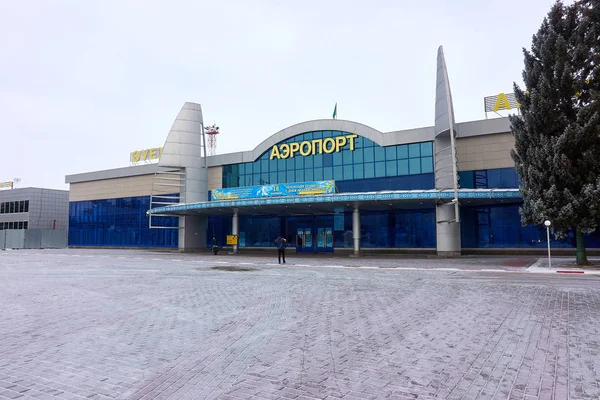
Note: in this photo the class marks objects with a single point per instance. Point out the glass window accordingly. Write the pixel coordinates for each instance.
(10, 225)
(264, 179)
(390, 153)
(426, 149)
(369, 170)
(390, 168)
(20, 225)
(358, 156)
(318, 135)
(308, 162)
(379, 154)
(402, 151)
(318, 159)
(289, 164)
(256, 179)
(299, 162)
(25, 225)
(309, 175)
(327, 134)
(264, 166)
(273, 178)
(415, 166)
(368, 142)
(338, 173)
(347, 157)
(402, 167)
(338, 158)
(308, 136)
(426, 165)
(2, 208)
(291, 176)
(358, 171)
(369, 154)
(327, 173)
(359, 142)
(348, 172)
(380, 169)
(273, 165)
(414, 150)
(281, 177)
(248, 168)
(12, 207)
(21, 206)
(241, 169)
(300, 175)
(318, 174)
(327, 160)
(280, 164)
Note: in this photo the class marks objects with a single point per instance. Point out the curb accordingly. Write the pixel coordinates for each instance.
(537, 269)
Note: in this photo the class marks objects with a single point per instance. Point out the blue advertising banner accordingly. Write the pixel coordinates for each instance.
(282, 189)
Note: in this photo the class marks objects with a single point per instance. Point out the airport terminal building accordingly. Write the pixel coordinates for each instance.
(326, 185)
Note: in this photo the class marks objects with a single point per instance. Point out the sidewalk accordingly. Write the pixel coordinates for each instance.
(565, 265)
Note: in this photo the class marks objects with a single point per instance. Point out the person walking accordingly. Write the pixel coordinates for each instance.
(215, 246)
(280, 243)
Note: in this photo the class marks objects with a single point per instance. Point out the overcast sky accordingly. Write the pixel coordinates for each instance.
(84, 83)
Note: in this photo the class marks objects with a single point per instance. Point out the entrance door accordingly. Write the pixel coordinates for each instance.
(325, 240)
(484, 234)
(308, 242)
(304, 240)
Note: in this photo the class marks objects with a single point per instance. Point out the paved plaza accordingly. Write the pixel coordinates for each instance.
(106, 324)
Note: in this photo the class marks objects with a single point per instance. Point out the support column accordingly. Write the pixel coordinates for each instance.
(192, 233)
(447, 230)
(235, 227)
(356, 231)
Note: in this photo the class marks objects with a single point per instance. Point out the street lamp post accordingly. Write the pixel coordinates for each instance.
(547, 223)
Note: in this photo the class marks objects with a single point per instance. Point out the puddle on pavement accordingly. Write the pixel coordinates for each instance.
(233, 269)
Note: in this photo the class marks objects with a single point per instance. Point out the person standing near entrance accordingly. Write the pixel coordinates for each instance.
(215, 246)
(280, 243)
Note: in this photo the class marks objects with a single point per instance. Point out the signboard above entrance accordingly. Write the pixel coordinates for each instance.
(312, 147)
(284, 189)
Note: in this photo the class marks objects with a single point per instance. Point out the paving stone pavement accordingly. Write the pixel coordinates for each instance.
(80, 324)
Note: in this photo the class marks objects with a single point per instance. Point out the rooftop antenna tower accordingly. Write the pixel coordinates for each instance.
(211, 133)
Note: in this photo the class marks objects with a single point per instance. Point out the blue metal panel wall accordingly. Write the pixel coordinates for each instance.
(118, 222)
(499, 226)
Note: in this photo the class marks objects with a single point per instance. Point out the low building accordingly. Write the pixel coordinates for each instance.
(34, 218)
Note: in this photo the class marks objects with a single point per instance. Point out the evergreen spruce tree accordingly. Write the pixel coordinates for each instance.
(557, 135)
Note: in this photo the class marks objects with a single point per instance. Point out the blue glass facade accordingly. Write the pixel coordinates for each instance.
(379, 229)
(367, 167)
(499, 178)
(118, 222)
(489, 226)
(499, 226)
